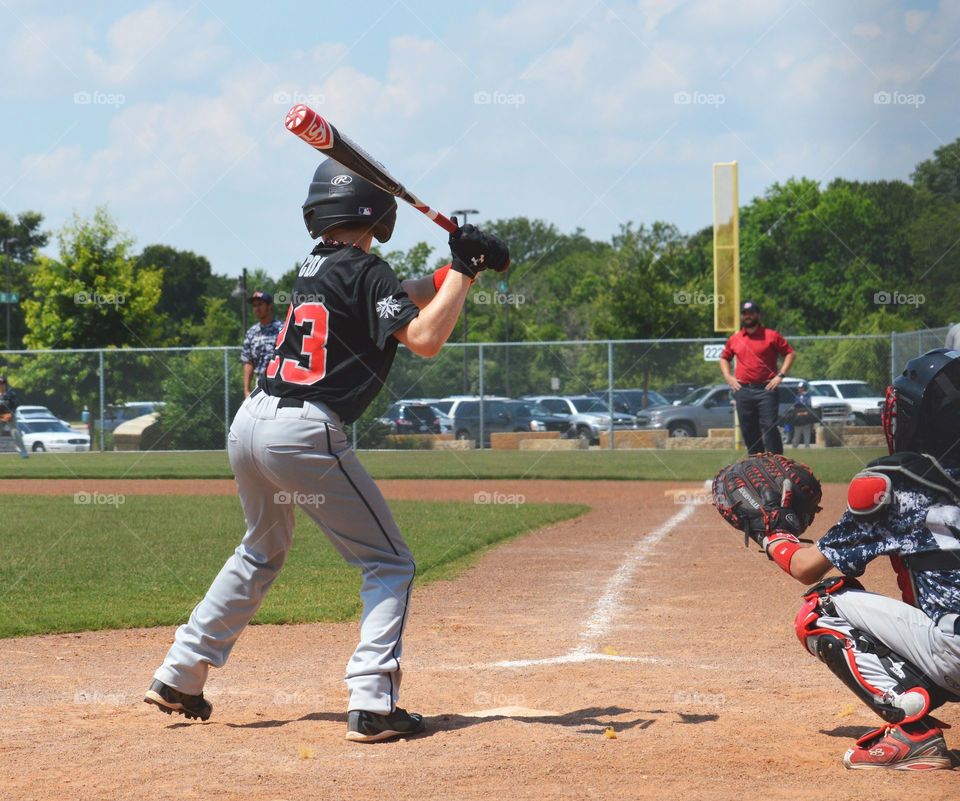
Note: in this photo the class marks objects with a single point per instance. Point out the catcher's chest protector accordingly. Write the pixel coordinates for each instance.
(871, 492)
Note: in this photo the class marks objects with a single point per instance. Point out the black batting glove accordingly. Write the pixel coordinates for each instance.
(474, 251)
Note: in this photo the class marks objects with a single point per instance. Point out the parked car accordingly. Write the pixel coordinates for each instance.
(115, 415)
(865, 403)
(50, 434)
(532, 416)
(677, 392)
(35, 413)
(501, 416)
(588, 416)
(444, 421)
(497, 418)
(632, 401)
(704, 408)
(712, 407)
(449, 404)
(410, 417)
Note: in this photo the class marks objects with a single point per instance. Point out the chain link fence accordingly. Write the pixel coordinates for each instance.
(910, 344)
(196, 391)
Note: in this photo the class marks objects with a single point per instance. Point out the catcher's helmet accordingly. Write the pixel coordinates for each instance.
(339, 196)
(922, 408)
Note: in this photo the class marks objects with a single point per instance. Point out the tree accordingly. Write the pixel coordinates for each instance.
(933, 237)
(91, 296)
(20, 239)
(409, 263)
(193, 416)
(650, 293)
(941, 174)
(186, 277)
(218, 327)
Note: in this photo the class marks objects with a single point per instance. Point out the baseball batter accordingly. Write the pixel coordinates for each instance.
(900, 657)
(288, 446)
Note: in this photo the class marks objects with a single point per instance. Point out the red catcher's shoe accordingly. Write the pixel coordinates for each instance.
(915, 746)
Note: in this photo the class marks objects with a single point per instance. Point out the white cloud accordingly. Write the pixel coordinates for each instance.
(156, 43)
(203, 115)
(913, 20)
(867, 30)
(43, 53)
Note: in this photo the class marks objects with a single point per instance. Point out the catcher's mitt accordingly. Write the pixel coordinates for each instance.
(766, 493)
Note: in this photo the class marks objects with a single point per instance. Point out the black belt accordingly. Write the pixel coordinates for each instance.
(284, 403)
(760, 384)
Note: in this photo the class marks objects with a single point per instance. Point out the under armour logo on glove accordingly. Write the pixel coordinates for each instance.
(474, 251)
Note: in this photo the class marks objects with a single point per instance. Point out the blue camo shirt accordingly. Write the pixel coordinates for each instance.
(258, 345)
(917, 521)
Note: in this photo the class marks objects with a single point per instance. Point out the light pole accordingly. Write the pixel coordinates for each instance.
(6, 267)
(241, 292)
(462, 215)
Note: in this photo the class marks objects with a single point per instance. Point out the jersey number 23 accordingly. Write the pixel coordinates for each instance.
(313, 345)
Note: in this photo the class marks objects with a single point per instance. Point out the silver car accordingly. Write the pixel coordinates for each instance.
(588, 416)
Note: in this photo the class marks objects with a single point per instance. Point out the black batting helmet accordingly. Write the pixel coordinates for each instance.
(922, 408)
(339, 196)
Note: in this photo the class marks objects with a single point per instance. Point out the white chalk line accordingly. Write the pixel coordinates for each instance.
(611, 601)
(604, 612)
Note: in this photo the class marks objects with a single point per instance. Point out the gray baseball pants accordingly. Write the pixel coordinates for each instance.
(932, 646)
(284, 457)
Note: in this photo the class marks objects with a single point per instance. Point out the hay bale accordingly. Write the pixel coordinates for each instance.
(451, 444)
(530, 444)
(510, 440)
(654, 438)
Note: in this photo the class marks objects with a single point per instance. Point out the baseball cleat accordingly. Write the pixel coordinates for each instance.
(899, 747)
(169, 700)
(369, 727)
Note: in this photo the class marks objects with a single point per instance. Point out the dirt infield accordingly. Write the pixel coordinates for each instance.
(636, 652)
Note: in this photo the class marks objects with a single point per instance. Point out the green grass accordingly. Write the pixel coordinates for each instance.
(833, 464)
(147, 561)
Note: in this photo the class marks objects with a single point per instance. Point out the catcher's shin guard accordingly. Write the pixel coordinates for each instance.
(909, 694)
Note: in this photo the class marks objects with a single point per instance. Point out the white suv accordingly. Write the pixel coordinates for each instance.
(864, 402)
(449, 404)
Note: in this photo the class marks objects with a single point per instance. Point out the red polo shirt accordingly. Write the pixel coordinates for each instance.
(756, 354)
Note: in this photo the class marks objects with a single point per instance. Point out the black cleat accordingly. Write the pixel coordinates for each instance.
(369, 727)
(169, 700)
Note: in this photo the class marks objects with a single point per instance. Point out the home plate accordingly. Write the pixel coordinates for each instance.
(511, 712)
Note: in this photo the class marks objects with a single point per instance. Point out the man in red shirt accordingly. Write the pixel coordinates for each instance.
(756, 350)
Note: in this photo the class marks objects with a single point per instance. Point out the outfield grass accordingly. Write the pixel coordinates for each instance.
(146, 562)
(832, 464)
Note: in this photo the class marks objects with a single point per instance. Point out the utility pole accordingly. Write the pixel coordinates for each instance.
(504, 288)
(9, 297)
(241, 292)
(462, 215)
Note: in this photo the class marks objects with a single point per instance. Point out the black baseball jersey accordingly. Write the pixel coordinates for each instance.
(336, 345)
(8, 401)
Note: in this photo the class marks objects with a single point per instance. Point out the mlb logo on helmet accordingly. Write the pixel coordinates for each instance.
(366, 211)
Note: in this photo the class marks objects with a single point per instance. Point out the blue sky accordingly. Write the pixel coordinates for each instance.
(588, 114)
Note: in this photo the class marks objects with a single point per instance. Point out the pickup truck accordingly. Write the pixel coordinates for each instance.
(865, 404)
(711, 407)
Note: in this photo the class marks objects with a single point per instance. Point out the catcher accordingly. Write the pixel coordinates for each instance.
(901, 658)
